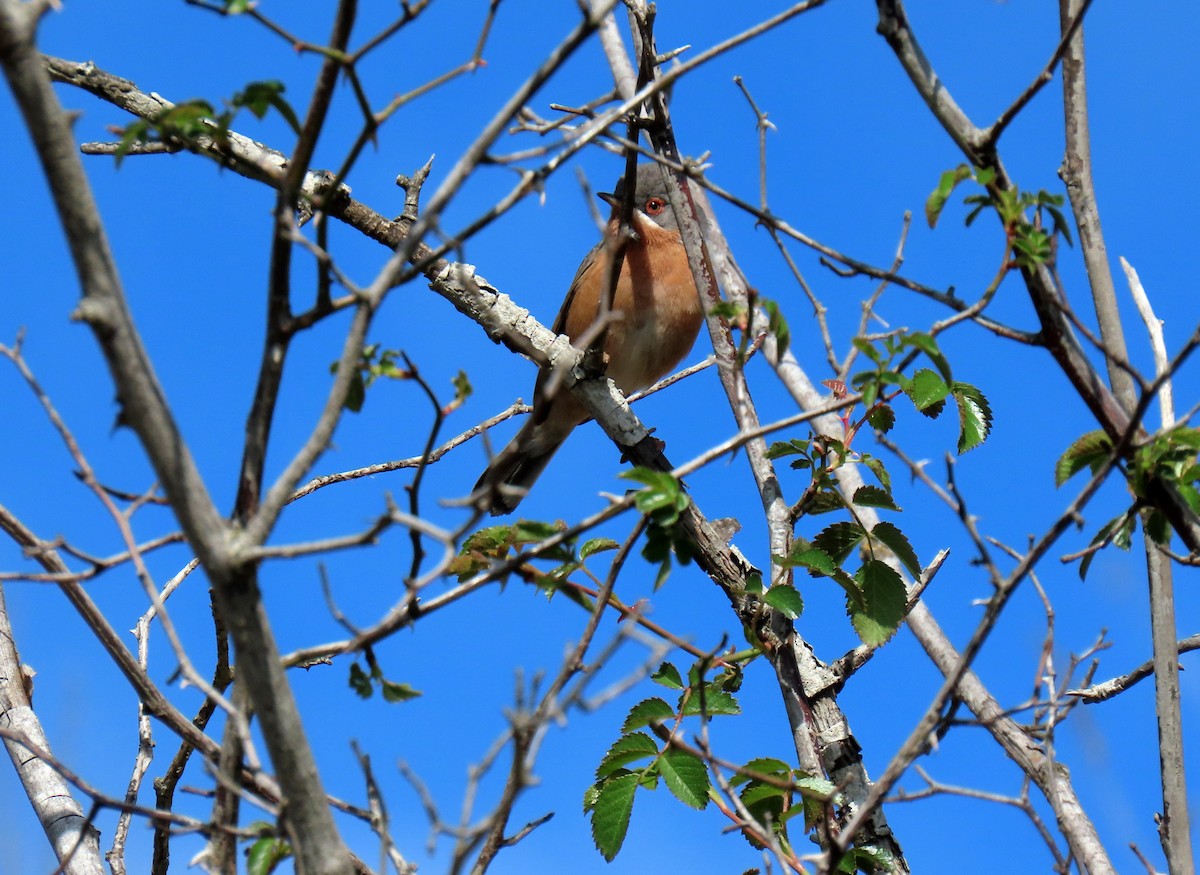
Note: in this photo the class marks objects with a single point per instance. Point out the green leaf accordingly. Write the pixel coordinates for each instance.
(732, 312)
(839, 540)
(825, 501)
(356, 394)
(596, 545)
(1031, 246)
(926, 390)
(685, 776)
(763, 766)
(533, 531)
(610, 814)
(869, 858)
(776, 324)
(360, 681)
(894, 539)
(787, 448)
(646, 712)
(135, 132)
(716, 702)
(873, 496)
(868, 349)
(928, 345)
(397, 692)
(757, 793)
(876, 467)
(884, 599)
(974, 416)
(785, 599)
(1157, 527)
(1089, 451)
(462, 388)
(662, 499)
(625, 750)
(266, 854)
(1061, 226)
(881, 417)
(816, 787)
(817, 561)
(258, 97)
(668, 676)
(1117, 531)
(945, 187)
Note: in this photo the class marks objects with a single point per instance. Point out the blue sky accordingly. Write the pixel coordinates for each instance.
(853, 149)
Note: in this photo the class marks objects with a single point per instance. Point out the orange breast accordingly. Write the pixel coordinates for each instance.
(660, 310)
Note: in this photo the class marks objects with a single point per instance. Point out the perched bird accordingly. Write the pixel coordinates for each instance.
(658, 315)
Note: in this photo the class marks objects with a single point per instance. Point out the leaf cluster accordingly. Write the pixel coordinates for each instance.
(639, 759)
(191, 119)
(1171, 456)
(927, 388)
(1023, 214)
(364, 682)
(662, 501)
(489, 546)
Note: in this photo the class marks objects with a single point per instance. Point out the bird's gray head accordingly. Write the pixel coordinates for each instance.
(649, 197)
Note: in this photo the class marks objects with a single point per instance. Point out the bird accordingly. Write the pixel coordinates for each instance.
(657, 318)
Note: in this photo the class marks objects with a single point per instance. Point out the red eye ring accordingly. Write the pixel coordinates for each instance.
(654, 206)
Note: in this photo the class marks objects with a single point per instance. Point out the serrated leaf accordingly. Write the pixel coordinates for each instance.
(716, 702)
(884, 600)
(647, 711)
(266, 854)
(793, 447)
(610, 814)
(685, 776)
(627, 749)
(974, 416)
(839, 540)
(927, 389)
(534, 531)
(873, 496)
(945, 187)
(896, 541)
(825, 501)
(489, 540)
(763, 766)
(876, 467)
(881, 417)
(597, 545)
(668, 676)
(1089, 451)
(785, 599)
(816, 560)
(756, 793)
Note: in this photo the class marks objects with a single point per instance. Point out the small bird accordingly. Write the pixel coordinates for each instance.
(658, 316)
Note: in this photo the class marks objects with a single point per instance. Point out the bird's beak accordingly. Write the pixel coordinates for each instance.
(609, 198)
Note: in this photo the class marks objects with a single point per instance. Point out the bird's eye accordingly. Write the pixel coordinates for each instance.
(655, 205)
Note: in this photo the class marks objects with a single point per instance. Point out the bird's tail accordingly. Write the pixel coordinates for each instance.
(512, 473)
